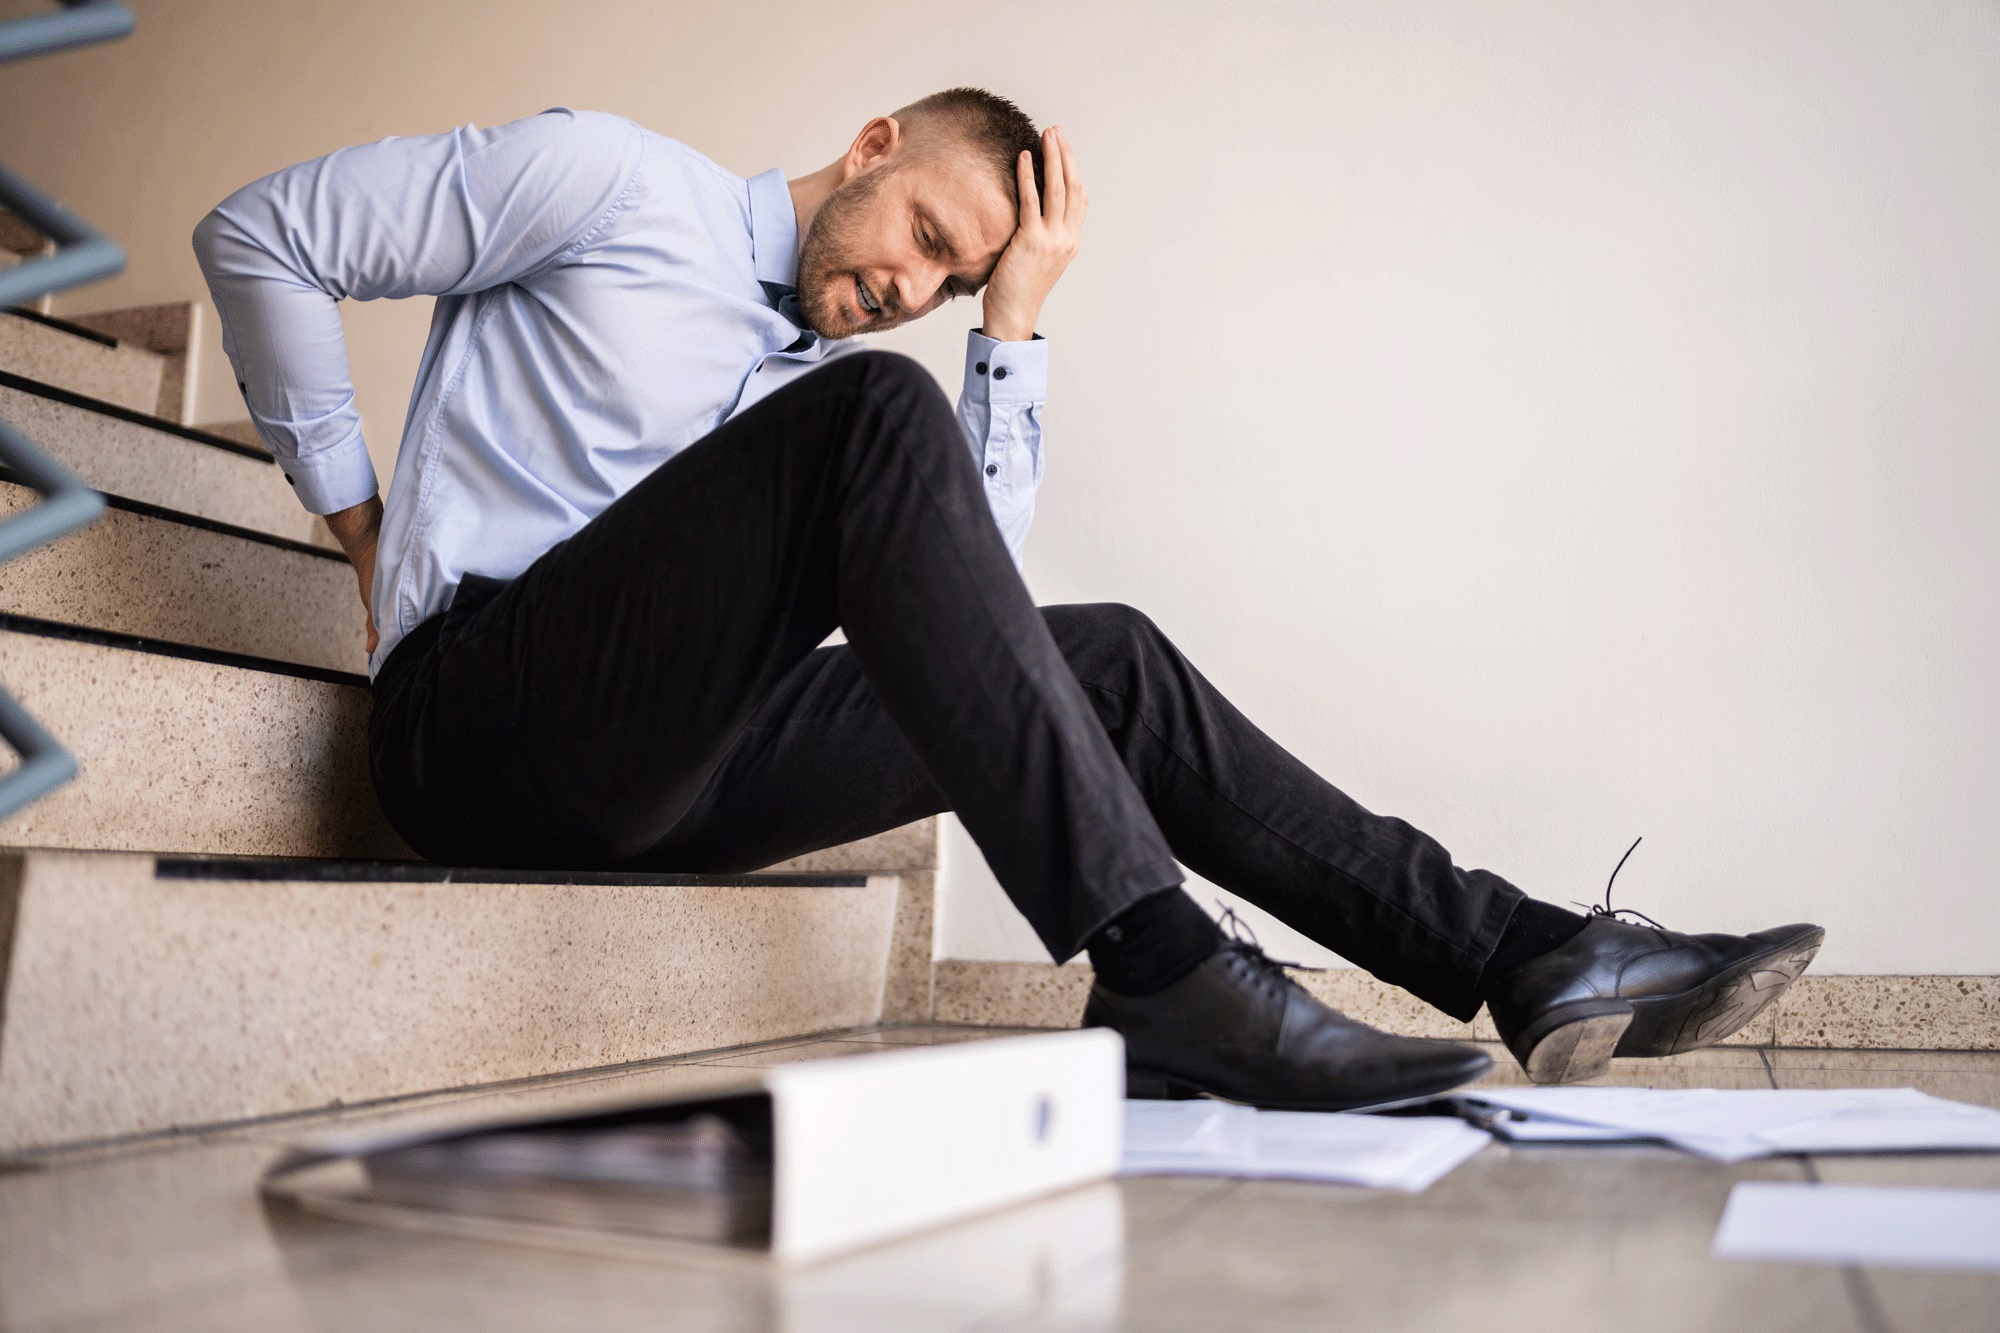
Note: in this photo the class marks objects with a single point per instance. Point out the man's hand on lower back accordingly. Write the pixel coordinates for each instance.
(1050, 229)
(356, 529)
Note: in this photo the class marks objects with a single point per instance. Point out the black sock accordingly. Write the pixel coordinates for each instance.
(1533, 930)
(1152, 944)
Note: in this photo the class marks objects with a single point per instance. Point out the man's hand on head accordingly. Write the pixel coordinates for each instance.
(356, 529)
(1050, 228)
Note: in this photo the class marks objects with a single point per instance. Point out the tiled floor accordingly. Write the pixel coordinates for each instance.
(170, 1236)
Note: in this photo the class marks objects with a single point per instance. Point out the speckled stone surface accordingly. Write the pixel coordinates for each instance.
(178, 755)
(911, 847)
(173, 333)
(129, 376)
(136, 1005)
(1916, 1013)
(911, 851)
(1024, 995)
(1862, 1013)
(151, 465)
(906, 993)
(166, 580)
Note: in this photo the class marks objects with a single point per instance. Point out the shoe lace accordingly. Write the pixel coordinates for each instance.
(1241, 940)
(1606, 909)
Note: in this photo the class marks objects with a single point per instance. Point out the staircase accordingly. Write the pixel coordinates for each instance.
(213, 922)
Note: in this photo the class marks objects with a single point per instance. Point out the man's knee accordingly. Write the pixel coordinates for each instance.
(1100, 635)
(889, 381)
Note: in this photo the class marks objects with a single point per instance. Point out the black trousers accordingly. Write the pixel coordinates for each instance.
(648, 695)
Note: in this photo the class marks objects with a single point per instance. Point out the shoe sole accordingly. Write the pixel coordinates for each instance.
(1720, 1007)
(1577, 1047)
(1578, 1041)
(1154, 1085)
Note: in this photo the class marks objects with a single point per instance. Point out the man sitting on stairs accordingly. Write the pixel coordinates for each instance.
(647, 470)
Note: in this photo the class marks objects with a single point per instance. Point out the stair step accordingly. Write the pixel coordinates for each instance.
(69, 358)
(176, 467)
(190, 750)
(195, 751)
(145, 995)
(151, 572)
(172, 331)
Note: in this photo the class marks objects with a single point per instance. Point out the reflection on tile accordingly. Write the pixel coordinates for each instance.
(1545, 1240)
(1965, 1076)
(1057, 1263)
(1716, 1067)
(103, 1243)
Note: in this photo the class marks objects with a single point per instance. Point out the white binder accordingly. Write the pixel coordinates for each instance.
(866, 1147)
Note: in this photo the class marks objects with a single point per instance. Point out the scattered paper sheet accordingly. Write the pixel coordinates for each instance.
(1733, 1125)
(1861, 1224)
(1207, 1138)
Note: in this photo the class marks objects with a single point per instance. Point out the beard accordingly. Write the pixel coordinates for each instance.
(825, 262)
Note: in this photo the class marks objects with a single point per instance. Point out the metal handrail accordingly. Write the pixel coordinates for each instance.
(82, 255)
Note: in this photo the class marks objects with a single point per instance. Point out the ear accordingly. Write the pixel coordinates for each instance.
(878, 141)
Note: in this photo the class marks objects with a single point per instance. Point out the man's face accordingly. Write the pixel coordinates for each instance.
(896, 241)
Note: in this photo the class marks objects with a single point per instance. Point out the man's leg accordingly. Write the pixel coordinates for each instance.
(576, 717)
(822, 763)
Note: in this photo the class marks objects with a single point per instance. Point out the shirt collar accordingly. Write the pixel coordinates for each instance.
(774, 233)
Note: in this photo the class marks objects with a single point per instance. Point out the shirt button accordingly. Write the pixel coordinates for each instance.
(992, 469)
(979, 369)
(999, 372)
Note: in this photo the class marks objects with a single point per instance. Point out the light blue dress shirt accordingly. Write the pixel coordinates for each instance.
(606, 297)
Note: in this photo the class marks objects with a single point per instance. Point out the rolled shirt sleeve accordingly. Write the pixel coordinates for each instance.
(1006, 384)
(436, 215)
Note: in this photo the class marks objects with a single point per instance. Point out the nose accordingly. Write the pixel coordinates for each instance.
(917, 288)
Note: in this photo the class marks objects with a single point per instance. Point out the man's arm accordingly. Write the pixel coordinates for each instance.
(1006, 362)
(442, 214)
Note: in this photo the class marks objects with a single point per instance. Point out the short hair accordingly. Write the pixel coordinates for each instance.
(994, 128)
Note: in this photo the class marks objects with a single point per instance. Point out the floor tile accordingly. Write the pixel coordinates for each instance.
(1965, 1076)
(1542, 1240)
(173, 1235)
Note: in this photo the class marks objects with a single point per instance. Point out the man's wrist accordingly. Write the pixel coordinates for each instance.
(1004, 326)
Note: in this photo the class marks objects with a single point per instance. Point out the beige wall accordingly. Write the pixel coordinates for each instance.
(1557, 422)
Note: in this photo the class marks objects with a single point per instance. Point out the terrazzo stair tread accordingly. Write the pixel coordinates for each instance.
(149, 994)
(100, 367)
(171, 331)
(158, 462)
(156, 573)
(198, 751)
(188, 749)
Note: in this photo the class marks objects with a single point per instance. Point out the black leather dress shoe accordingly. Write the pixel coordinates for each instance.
(1619, 988)
(1238, 1028)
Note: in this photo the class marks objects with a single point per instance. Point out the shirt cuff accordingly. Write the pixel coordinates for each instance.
(997, 372)
(332, 479)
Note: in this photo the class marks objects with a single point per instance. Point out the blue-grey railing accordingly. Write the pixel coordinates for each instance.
(81, 255)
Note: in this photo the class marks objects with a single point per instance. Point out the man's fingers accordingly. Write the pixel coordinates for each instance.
(1053, 179)
(1073, 194)
(1031, 200)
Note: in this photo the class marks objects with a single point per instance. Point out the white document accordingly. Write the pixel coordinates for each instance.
(1733, 1125)
(1207, 1138)
(1861, 1224)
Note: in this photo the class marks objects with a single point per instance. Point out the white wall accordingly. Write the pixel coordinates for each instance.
(1556, 422)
